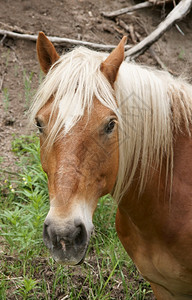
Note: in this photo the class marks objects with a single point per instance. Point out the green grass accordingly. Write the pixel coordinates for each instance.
(26, 269)
(6, 99)
(29, 93)
(182, 54)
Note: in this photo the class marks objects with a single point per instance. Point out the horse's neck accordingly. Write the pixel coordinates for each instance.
(156, 230)
(155, 205)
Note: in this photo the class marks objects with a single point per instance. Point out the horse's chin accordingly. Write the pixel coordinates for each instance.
(83, 258)
(69, 262)
(64, 259)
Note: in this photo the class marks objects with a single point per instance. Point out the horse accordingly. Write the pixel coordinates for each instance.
(111, 126)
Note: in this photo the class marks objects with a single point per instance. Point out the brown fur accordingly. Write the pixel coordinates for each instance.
(156, 231)
(84, 163)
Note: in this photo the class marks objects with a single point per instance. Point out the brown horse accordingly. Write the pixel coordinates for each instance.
(110, 126)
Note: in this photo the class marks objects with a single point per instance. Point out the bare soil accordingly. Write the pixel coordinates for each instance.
(78, 19)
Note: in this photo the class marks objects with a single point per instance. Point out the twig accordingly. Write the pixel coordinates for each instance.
(1, 83)
(13, 278)
(179, 12)
(132, 34)
(59, 40)
(128, 29)
(158, 60)
(3, 38)
(179, 29)
(14, 28)
(126, 10)
(9, 172)
(123, 25)
(151, 50)
(65, 297)
(162, 2)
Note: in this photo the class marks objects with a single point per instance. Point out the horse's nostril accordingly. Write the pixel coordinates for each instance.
(81, 234)
(45, 231)
(49, 236)
(46, 236)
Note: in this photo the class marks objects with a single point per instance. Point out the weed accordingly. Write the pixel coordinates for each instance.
(6, 99)
(6, 55)
(41, 76)
(27, 79)
(26, 288)
(16, 67)
(181, 55)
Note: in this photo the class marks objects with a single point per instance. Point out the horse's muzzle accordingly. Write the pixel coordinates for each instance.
(67, 244)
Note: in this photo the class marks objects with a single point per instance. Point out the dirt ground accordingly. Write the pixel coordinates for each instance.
(78, 19)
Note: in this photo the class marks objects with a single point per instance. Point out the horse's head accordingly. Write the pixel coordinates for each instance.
(81, 165)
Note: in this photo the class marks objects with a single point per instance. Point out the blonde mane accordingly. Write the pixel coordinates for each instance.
(149, 104)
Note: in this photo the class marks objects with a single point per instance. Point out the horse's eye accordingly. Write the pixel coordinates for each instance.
(39, 126)
(110, 126)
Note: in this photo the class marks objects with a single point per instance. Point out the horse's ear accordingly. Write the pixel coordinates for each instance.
(46, 52)
(112, 63)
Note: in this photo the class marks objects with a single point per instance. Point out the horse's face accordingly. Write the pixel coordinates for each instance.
(81, 167)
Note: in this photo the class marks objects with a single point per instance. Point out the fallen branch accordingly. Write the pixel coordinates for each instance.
(129, 9)
(59, 40)
(14, 28)
(179, 12)
(162, 2)
(125, 10)
(136, 35)
(158, 60)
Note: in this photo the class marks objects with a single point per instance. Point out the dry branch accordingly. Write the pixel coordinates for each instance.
(137, 36)
(179, 12)
(125, 10)
(129, 9)
(162, 2)
(176, 14)
(59, 40)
